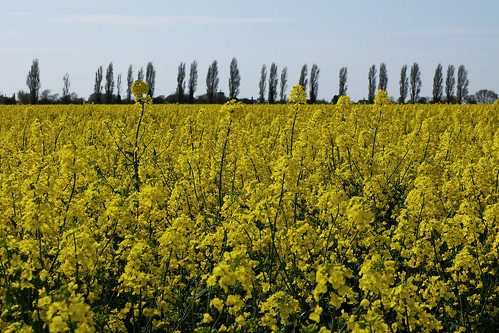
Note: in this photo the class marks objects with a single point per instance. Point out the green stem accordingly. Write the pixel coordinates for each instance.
(136, 179)
(220, 194)
(374, 142)
(293, 131)
(76, 257)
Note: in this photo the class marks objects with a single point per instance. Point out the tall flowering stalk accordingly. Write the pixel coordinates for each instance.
(297, 97)
(141, 92)
(228, 110)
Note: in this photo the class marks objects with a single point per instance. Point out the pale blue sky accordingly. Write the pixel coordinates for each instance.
(77, 37)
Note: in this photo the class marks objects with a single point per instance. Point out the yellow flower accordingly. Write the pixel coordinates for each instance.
(217, 303)
(298, 95)
(382, 98)
(232, 106)
(235, 302)
(344, 101)
(139, 88)
(58, 325)
(207, 318)
(365, 303)
(316, 315)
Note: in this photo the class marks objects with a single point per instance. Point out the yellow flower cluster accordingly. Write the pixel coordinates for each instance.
(249, 218)
(381, 98)
(140, 90)
(298, 95)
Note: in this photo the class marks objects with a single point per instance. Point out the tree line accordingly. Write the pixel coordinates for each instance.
(272, 86)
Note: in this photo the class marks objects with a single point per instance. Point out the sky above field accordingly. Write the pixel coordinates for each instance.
(76, 37)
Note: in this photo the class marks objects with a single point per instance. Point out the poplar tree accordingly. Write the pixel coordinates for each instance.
(404, 84)
(343, 82)
(372, 84)
(212, 82)
(303, 81)
(129, 82)
(314, 83)
(151, 78)
(234, 79)
(33, 81)
(273, 81)
(438, 80)
(450, 81)
(284, 84)
(415, 82)
(140, 74)
(263, 84)
(118, 88)
(109, 87)
(98, 85)
(383, 77)
(180, 83)
(462, 84)
(193, 80)
(65, 89)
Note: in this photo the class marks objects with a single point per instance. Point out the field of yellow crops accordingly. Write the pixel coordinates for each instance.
(251, 218)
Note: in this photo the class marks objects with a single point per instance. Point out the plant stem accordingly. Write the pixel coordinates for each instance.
(136, 179)
(220, 194)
